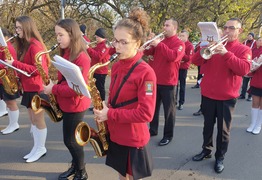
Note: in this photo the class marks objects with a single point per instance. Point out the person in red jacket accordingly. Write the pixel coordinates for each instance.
(167, 54)
(220, 89)
(184, 65)
(83, 30)
(100, 54)
(72, 105)
(10, 100)
(29, 43)
(256, 92)
(250, 42)
(129, 111)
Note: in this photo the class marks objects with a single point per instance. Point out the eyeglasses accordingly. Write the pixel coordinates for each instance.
(18, 28)
(120, 42)
(230, 28)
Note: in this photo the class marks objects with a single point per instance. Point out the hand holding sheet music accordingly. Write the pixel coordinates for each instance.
(72, 74)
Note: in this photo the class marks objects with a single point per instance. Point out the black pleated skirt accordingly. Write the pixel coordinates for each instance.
(121, 158)
(28, 96)
(255, 91)
(5, 96)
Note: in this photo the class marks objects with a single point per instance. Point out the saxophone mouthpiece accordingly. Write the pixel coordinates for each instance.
(54, 47)
(113, 57)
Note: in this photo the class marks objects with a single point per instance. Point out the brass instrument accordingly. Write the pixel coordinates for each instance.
(49, 105)
(83, 133)
(146, 45)
(208, 52)
(8, 76)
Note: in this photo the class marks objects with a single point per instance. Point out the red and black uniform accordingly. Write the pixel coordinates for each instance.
(73, 107)
(256, 81)
(184, 65)
(100, 54)
(167, 56)
(250, 43)
(127, 124)
(220, 88)
(34, 84)
(3, 94)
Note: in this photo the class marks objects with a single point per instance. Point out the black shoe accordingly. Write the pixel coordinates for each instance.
(195, 86)
(241, 97)
(198, 113)
(65, 175)
(81, 175)
(201, 156)
(165, 141)
(219, 166)
(152, 133)
(249, 99)
(180, 107)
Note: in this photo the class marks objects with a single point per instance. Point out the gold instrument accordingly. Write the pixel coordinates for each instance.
(160, 36)
(48, 104)
(83, 133)
(208, 52)
(8, 76)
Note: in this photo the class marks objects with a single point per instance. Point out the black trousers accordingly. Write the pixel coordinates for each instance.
(199, 76)
(165, 95)
(100, 84)
(70, 121)
(245, 86)
(220, 112)
(182, 86)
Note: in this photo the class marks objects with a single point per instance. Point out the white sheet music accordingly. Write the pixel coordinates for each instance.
(209, 32)
(72, 74)
(2, 39)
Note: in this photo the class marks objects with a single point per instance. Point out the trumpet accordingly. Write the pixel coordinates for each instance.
(208, 52)
(146, 45)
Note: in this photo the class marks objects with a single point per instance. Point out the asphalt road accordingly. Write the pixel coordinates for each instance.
(171, 162)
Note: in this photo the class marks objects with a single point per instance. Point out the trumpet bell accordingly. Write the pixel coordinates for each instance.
(206, 53)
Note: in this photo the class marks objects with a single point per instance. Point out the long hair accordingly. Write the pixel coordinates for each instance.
(76, 45)
(29, 31)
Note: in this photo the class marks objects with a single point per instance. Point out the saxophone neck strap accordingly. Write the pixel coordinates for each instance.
(113, 102)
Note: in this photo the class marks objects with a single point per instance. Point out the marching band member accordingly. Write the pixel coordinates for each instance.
(219, 90)
(129, 111)
(100, 54)
(73, 105)
(184, 65)
(29, 43)
(256, 92)
(10, 100)
(167, 55)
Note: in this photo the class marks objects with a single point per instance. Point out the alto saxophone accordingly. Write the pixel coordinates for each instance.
(49, 105)
(83, 133)
(8, 76)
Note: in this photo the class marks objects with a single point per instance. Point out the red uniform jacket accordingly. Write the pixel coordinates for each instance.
(86, 38)
(167, 56)
(99, 54)
(3, 57)
(256, 80)
(66, 97)
(223, 74)
(128, 124)
(186, 60)
(250, 43)
(33, 83)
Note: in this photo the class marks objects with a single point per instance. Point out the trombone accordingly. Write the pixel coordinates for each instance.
(146, 45)
(207, 52)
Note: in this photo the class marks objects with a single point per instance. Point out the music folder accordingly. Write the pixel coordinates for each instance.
(2, 39)
(209, 32)
(72, 74)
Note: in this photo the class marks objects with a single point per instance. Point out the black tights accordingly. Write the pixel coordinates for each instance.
(70, 121)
